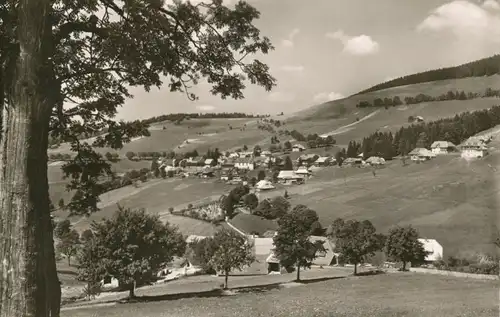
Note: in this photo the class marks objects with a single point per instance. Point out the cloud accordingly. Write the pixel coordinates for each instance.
(281, 97)
(288, 42)
(465, 20)
(327, 96)
(355, 45)
(491, 5)
(205, 108)
(292, 68)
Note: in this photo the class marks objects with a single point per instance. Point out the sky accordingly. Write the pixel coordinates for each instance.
(330, 49)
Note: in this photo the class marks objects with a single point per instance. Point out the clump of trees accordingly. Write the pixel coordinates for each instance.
(132, 246)
(456, 130)
(274, 208)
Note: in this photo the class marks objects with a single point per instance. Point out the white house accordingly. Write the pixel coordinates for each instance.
(109, 283)
(434, 248)
(473, 148)
(442, 147)
(264, 185)
(245, 164)
(303, 171)
(375, 160)
(421, 154)
(323, 161)
(289, 177)
(298, 148)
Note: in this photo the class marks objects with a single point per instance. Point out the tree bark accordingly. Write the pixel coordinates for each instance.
(226, 277)
(28, 278)
(298, 272)
(404, 266)
(131, 291)
(355, 269)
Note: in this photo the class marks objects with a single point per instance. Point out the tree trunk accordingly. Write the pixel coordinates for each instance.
(404, 266)
(298, 272)
(69, 260)
(226, 277)
(28, 283)
(355, 269)
(131, 291)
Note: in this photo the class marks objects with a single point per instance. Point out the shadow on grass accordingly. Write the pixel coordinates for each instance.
(370, 273)
(221, 292)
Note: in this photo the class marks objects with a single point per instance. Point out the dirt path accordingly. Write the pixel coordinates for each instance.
(345, 128)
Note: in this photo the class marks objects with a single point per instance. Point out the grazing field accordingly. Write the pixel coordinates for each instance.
(385, 295)
(446, 199)
(200, 134)
(57, 185)
(157, 196)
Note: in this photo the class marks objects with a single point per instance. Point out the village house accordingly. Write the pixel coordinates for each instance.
(421, 154)
(266, 153)
(290, 177)
(234, 155)
(375, 160)
(246, 154)
(352, 161)
(323, 161)
(298, 148)
(442, 147)
(210, 162)
(307, 159)
(195, 161)
(303, 171)
(434, 249)
(473, 148)
(264, 185)
(245, 164)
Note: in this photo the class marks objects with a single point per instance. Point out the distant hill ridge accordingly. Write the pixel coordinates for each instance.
(482, 67)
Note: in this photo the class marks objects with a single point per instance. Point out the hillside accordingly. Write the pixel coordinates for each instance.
(479, 68)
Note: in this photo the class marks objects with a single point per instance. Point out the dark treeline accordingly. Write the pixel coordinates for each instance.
(450, 95)
(455, 130)
(483, 67)
(175, 117)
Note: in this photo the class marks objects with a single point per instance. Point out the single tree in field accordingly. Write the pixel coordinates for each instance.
(261, 175)
(288, 164)
(280, 206)
(287, 145)
(251, 201)
(67, 76)
(69, 244)
(233, 252)
(355, 240)
(136, 246)
(61, 204)
(62, 227)
(91, 267)
(155, 167)
(86, 235)
(401, 244)
(292, 244)
(201, 251)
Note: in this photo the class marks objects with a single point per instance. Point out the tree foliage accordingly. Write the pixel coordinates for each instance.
(135, 245)
(402, 245)
(69, 244)
(62, 228)
(233, 252)
(201, 252)
(292, 244)
(288, 166)
(250, 200)
(355, 240)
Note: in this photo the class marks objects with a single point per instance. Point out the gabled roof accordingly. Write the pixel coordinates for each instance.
(289, 175)
(442, 144)
(298, 146)
(244, 160)
(352, 160)
(302, 170)
(327, 257)
(209, 161)
(474, 143)
(263, 184)
(323, 159)
(375, 160)
(421, 152)
(272, 258)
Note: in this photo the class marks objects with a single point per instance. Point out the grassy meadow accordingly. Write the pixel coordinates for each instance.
(386, 295)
